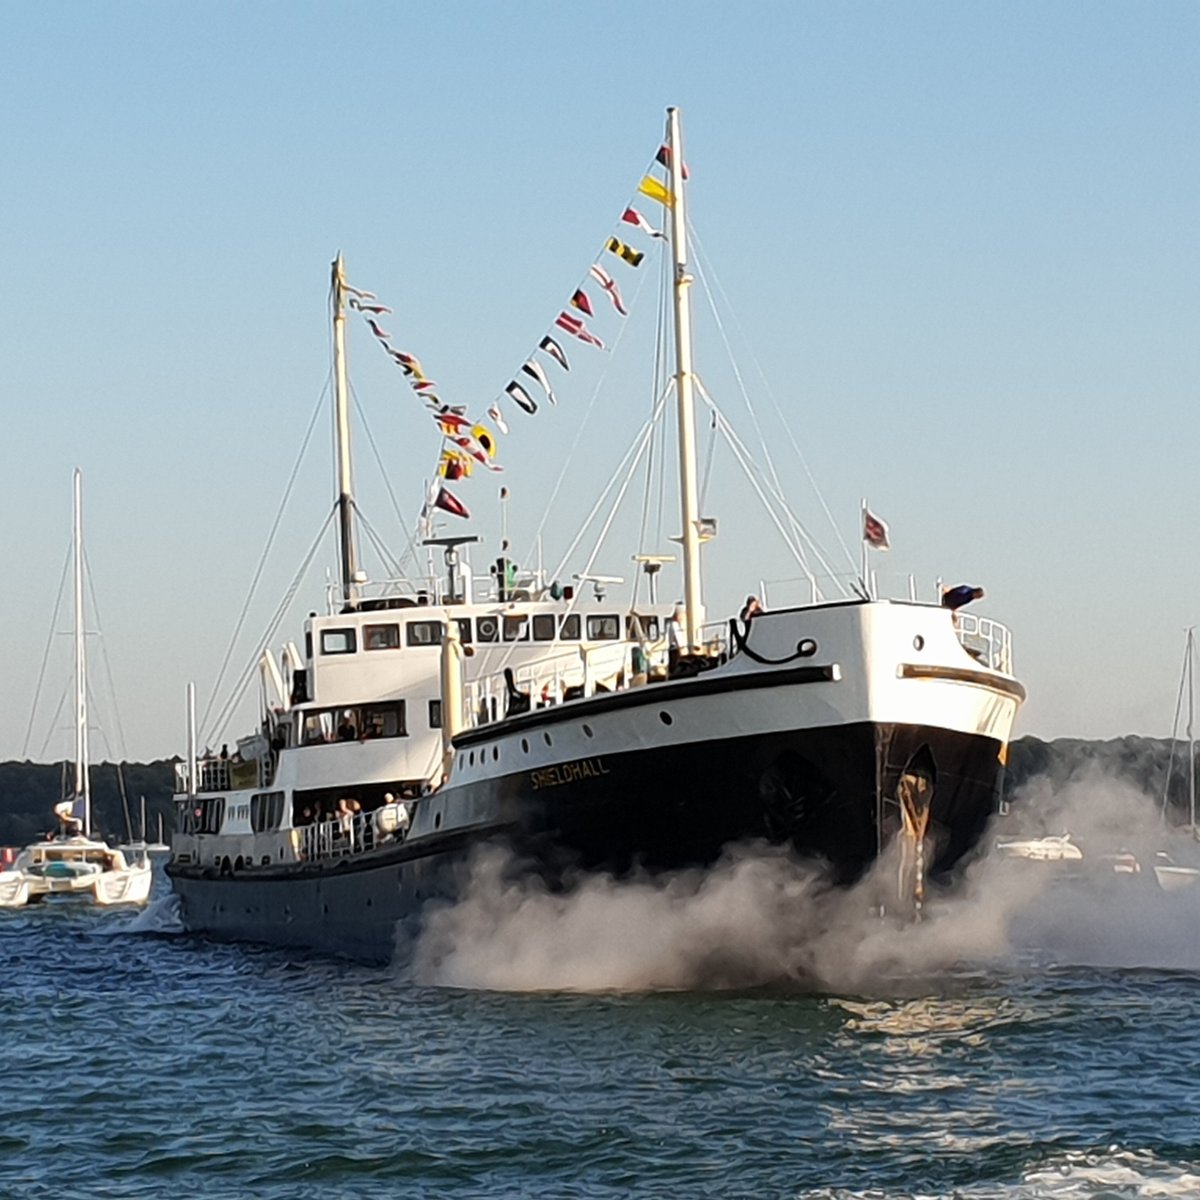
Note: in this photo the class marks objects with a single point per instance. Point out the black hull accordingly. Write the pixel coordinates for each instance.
(828, 793)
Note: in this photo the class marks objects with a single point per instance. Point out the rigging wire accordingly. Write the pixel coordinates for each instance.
(223, 717)
(744, 460)
(37, 691)
(62, 703)
(376, 539)
(703, 271)
(1183, 675)
(108, 675)
(387, 483)
(633, 453)
(569, 456)
(262, 561)
(657, 387)
(749, 466)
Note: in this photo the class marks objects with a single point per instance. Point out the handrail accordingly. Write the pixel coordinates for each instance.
(345, 836)
(580, 669)
(986, 640)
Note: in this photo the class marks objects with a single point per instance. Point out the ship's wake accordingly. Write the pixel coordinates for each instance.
(161, 917)
(761, 918)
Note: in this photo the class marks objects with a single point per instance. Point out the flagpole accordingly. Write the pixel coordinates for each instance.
(866, 549)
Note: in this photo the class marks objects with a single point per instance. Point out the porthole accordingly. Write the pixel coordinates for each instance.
(587, 731)
(471, 758)
(437, 820)
(370, 902)
(525, 745)
(547, 738)
(806, 648)
(495, 754)
(918, 642)
(666, 718)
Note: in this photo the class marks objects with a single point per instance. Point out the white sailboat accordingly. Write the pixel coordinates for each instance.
(71, 863)
(1173, 876)
(420, 722)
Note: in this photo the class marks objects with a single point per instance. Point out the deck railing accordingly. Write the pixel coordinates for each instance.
(341, 837)
(985, 640)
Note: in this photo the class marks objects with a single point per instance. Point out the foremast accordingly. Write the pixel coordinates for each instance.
(682, 280)
(345, 501)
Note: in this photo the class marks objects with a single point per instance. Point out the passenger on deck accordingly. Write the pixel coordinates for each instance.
(750, 609)
(675, 637)
(392, 820)
(957, 597)
(346, 731)
(68, 824)
(345, 819)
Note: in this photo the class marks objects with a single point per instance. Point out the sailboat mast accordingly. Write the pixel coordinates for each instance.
(83, 790)
(349, 563)
(1191, 678)
(689, 502)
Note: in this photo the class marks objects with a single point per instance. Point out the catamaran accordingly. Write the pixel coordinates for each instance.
(70, 862)
(419, 723)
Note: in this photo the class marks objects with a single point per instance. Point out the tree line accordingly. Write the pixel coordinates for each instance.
(29, 791)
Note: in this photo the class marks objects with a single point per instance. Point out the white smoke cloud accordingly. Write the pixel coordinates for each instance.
(762, 918)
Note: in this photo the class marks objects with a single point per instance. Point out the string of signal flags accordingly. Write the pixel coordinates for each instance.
(470, 442)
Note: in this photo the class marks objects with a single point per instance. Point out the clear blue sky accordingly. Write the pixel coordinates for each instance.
(962, 240)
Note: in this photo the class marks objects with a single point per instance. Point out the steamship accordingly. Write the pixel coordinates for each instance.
(417, 724)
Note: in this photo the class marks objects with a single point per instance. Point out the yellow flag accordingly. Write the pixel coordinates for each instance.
(657, 191)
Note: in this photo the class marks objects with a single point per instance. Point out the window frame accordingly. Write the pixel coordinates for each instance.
(392, 638)
(351, 635)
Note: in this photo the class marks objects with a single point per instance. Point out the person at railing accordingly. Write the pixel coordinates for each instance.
(750, 609)
(675, 638)
(392, 820)
(346, 809)
(957, 597)
(346, 732)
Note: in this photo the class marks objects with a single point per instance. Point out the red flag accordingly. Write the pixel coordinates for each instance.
(452, 467)
(381, 334)
(575, 327)
(580, 301)
(875, 531)
(631, 216)
(451, 423)
(371, 308)
(451, 504)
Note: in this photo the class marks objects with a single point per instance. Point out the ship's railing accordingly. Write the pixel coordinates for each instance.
(435, 591)
(215, 774)
(579, 672)
(985, 640)
(341, 837)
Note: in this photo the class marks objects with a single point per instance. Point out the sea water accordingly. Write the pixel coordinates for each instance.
(139, 1061)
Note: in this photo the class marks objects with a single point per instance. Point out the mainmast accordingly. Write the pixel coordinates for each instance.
(83, 791)
(689, 502)
(349, 559)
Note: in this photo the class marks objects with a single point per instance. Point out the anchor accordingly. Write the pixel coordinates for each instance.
(914, 794)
